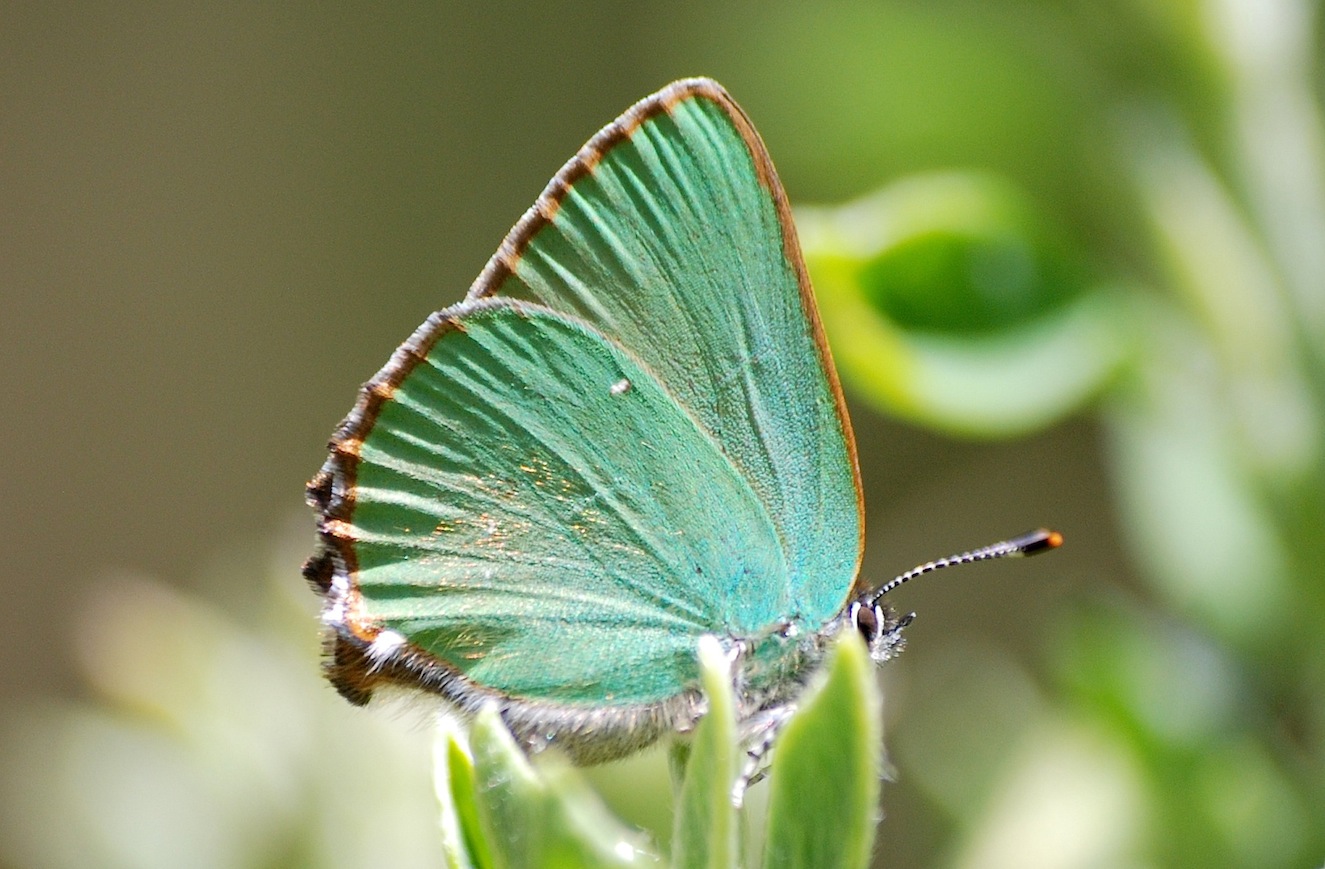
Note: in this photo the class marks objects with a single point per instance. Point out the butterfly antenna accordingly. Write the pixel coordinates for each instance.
(1030, 543)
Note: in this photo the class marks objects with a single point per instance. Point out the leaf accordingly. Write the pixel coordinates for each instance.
(463, 844)
(947, 302)
(546, 817)
(823, 807)
(705, 830)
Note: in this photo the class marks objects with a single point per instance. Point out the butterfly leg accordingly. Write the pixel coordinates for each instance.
(758, 733)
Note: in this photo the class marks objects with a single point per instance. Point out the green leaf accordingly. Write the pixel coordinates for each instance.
(546, 817)
(961, 254)
(705, 832)
(463, 843)
(948, 302)
(825, 773)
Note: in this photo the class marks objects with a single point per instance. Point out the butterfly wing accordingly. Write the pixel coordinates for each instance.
(531, 507)
(670, 233)
(628, 435)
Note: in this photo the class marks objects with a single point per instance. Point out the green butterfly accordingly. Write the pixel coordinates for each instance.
(628, 435)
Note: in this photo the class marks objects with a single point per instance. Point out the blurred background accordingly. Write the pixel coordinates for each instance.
(1071, 258)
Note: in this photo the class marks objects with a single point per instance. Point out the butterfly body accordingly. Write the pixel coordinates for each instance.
(628, 435)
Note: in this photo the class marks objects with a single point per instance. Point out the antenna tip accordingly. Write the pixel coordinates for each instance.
(1037, 541)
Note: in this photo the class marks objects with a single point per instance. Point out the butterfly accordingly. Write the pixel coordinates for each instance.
(627, 436)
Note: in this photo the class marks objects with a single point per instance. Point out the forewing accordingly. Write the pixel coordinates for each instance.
(670, 233)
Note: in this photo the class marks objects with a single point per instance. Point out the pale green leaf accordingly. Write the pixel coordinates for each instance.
(705, 833)
(826, 766)
(546, 817)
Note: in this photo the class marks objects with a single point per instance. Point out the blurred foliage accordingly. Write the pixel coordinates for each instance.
(1114, 210)
(206, 744)
(949, 302)
(1186, 726)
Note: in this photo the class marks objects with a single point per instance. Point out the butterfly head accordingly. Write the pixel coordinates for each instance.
(880, 627)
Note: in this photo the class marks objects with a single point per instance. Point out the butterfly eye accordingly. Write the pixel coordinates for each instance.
(866, 619)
